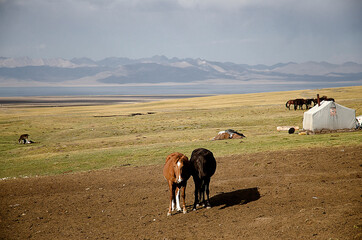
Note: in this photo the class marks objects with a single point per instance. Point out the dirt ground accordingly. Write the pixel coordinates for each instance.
(304, 194)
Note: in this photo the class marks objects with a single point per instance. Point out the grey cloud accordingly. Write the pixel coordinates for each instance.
(250, 31)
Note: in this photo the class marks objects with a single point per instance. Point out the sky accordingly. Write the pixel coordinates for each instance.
(239, 31)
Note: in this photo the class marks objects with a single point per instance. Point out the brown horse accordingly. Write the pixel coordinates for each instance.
(299, 102)
(177, 171)
(288, 103)
(292, 102)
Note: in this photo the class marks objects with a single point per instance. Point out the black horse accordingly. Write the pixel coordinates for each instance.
(309, 102)
(325, 98)
(204, 166)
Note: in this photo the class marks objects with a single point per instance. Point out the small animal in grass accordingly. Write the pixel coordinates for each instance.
(177, 171)
(204, 166)
(24, 138)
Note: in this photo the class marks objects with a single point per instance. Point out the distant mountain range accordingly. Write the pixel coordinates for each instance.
(163, 71)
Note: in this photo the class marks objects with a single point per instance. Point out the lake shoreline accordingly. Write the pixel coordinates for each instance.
(64, 101)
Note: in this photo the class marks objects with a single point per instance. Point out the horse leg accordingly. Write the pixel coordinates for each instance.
(207, 185)
(183, 195)
(172, 198)
(202, 193)
(197, 193)
(178, 207)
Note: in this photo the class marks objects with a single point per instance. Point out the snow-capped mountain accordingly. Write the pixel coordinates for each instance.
(162, 70)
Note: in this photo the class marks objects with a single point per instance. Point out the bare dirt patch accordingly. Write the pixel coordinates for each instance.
(305, 194)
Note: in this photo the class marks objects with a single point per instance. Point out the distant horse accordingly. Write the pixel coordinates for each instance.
(295, 102)
(24, 139)
(204, 165)
(308, 103)
(299, 102)
(325, 98)
(177, 171)
(288, 103)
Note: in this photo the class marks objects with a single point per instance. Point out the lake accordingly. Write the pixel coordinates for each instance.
(163, 90)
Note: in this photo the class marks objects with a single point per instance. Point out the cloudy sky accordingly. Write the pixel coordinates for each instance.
(240, 31)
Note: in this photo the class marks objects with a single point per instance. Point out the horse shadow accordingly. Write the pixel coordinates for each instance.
(238, 197)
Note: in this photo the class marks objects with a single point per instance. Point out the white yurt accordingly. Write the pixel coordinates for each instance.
(329, 115)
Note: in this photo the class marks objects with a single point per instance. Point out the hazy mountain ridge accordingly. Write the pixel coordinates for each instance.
(163, 70)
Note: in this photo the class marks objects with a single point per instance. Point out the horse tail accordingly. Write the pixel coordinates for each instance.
(201, 172)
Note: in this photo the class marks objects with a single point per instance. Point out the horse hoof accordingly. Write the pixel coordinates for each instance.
(168, 214)
(208, 207)
(194, 209)
(184, 211)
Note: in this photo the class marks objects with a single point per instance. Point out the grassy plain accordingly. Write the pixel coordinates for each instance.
(71, 139)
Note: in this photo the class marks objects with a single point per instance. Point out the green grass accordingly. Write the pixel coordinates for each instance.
(71, 139)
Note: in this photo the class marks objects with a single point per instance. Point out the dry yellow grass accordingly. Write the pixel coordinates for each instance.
(77, 139)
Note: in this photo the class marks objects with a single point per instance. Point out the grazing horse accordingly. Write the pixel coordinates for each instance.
(177, 171)
(204, 165)
(308, 103)
(288, 103)
(299, 102)
(294, 102)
